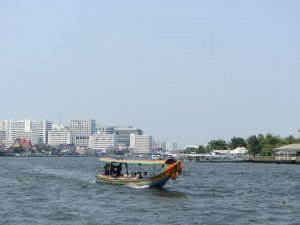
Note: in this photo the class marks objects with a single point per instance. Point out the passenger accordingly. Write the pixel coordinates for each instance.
(145, 174)
(106, 169)
(112, 169)
(133, 174)
(114, 175)
(139, 175)
(119, 169)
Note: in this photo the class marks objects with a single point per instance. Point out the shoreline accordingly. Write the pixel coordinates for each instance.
(261, 161)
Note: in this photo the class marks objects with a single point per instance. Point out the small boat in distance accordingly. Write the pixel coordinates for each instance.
(114, 174)
(157, 157)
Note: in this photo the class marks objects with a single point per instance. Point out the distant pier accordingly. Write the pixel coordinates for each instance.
(222, 159)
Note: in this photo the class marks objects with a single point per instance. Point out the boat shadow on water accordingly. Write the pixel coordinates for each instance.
(166, 193)
(158, 192)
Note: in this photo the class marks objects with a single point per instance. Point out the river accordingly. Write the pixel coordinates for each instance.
(62, 190)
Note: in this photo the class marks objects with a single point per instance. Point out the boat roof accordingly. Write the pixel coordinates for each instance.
(132, 161)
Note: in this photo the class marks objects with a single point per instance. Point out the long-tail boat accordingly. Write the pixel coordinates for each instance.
(113, 174)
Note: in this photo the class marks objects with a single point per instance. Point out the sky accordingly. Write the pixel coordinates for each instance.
(189, 71)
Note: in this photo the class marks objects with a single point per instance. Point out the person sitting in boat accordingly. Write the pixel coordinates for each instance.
(132, 174)
(145, 174)
(112, 169)
(139, 175)
(106, 169)
(119, 169)
(126, 174)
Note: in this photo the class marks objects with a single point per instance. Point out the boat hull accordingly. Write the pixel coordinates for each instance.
(157, 181)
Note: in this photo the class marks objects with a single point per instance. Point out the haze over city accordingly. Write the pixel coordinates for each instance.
(189, 71)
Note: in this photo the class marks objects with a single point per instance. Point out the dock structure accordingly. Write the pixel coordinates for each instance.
(287, 153)
(215, 158)
(206, 158)
(239, 154)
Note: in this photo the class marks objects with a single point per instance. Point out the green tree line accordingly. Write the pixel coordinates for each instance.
(261, 145)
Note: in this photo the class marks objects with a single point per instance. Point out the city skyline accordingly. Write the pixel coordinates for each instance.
(83, 136)
(58, 126)
(189, 71)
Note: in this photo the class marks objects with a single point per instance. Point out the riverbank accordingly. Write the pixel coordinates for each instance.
(270, 160)
(274, 160)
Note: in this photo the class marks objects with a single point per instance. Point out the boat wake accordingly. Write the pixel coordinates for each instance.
(139, 187)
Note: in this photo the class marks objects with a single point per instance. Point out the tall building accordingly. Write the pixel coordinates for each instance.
(2, 135)
(15, 126)
(140, 144)
(42, 127)
(59, 135)
(81, 130)
(123, 135)
(161, 146)
(171, 146)
(39, 126)
(3, 124)
(3, 130)
(103, 142)
(106, 129)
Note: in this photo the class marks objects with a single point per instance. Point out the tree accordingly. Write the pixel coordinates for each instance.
(217, 144)
(268, 143)
(267, 150)
(202, 150)
(272, 140)
(189, 150)
(236, 142)
(289, 140)
(254, 145)
(17, 150)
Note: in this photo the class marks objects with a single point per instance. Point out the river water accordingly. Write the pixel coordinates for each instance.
(63, 191)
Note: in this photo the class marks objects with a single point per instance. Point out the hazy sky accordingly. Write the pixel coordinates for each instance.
(191, 71)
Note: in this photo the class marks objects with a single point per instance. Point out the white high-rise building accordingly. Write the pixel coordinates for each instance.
(15, 126)
(171, 146)
(3, 124)
(3, 130)
(39, 126)
(103, 142)
(81, 131)
(42, 127)
(58, 127)
(106, 129)
(123, 135)
(59, 135)
(2, 135)
(141, 144)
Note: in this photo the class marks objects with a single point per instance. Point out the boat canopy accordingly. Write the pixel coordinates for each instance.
(132, 161)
